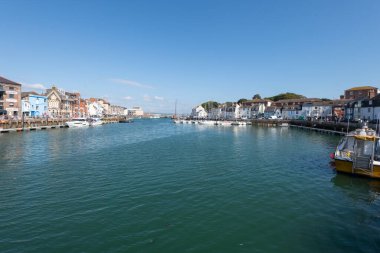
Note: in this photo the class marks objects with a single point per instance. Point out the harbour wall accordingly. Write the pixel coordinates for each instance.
(31, 124)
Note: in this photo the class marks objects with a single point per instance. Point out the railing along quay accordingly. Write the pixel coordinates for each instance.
(329, 127)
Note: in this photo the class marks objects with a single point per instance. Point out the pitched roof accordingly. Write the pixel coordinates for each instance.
(297, 100)
(6, 81)
(270, 109)
(362, 88)
(255, 101)
(26, 94)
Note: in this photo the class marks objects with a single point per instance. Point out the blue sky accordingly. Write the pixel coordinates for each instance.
(151, 53)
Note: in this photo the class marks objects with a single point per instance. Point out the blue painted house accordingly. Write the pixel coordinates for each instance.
(38, 106)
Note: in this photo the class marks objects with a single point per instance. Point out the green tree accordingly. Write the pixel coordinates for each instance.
(287, 95)
(256, 96)
(242, 100)
(210, 105)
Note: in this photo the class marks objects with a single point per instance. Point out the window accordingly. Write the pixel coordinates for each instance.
(351, 93)
(369, 109)
(11, 95)
(11, 105)
(11, 88)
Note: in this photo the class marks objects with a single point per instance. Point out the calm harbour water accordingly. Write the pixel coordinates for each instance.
(153, 186)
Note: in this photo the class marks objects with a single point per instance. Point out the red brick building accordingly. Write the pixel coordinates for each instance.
(10, 97)
(362, 92)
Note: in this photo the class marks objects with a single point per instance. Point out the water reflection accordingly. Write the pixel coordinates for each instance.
(357, 188)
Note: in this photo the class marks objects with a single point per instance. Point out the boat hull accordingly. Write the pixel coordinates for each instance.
(97, 123)
(345, 166)
(77, 124)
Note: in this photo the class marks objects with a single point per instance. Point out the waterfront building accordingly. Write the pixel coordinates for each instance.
(363, 109)
(34, 104)
(291, 108)
(61, 103)
(73, 105)
(330, 110)
(117, 110)
(25, 107)
(2, 92)
(271, 111)
(361, 92)
(136, 111)
(294, 102)
(231, 112)
(94, 108)
(10, 97)
(245, 112)
(291, 112)
(199, 112)
(317, 110)
(215, 113)
(83, 109)
(254, 108)
(106, 106)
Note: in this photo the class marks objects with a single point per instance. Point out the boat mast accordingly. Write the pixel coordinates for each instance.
(175, 109)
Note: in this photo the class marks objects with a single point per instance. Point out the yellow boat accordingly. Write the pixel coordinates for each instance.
(358, 153)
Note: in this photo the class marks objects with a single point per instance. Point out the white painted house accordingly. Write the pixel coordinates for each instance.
(95, 109)
(363, 109)
(199, 112)
(293, 112)
(232, 112)
(254, 108)
(272, 111)
(215, 113)
(25, 106)
(317, 110)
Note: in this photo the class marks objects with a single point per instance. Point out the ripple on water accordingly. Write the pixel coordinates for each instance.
(153, 186)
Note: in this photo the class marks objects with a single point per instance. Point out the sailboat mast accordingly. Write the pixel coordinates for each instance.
(175, 109)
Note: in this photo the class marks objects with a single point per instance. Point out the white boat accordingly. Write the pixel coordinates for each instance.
(207, 122)
(96, 122)
(77, 122)
(224, 123)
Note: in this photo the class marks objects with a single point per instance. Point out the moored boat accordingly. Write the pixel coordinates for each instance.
(77, 122)
(358, 153)
(224, 123)
(96, 122)
(125, 120)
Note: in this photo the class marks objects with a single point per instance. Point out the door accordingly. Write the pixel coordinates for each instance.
(362, 154)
